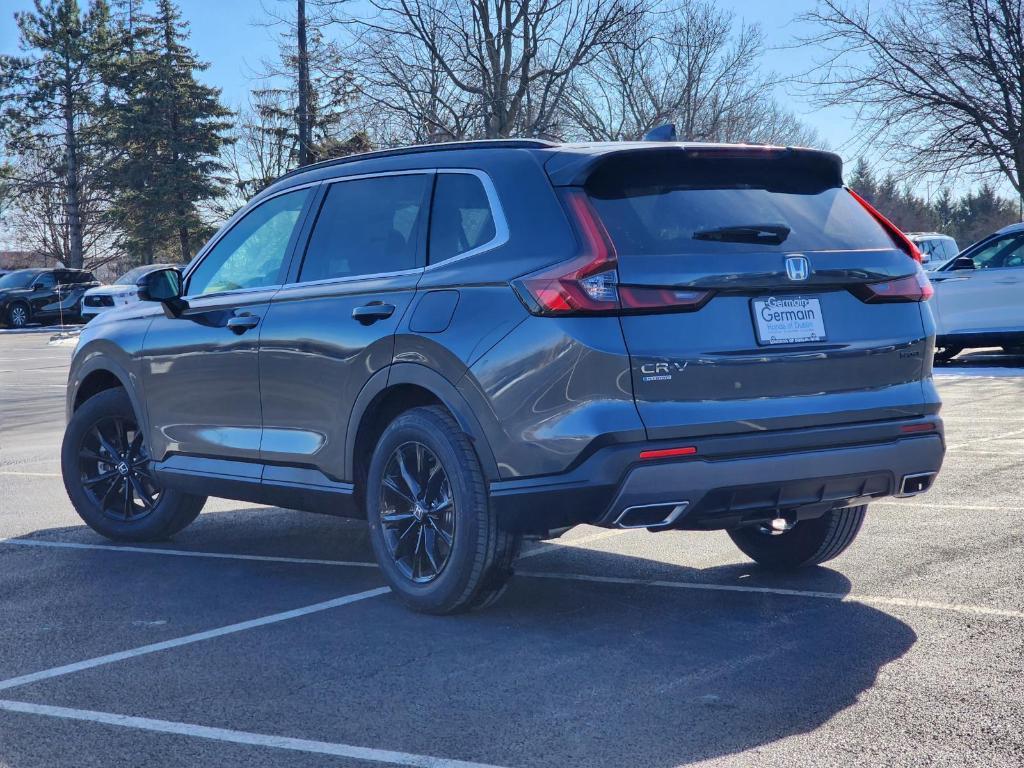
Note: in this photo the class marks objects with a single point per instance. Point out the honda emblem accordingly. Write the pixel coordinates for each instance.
(797, 268)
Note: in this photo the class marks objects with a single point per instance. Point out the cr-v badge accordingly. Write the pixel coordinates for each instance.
(797, 268)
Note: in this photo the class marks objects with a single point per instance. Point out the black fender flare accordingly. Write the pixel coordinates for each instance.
(104, 364)
(430, 380)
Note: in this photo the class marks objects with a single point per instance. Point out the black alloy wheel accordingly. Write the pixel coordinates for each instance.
(114, 470)
(417, 512)
(110, 478)
(435, 536)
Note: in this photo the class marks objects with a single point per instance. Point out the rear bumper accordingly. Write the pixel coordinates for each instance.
(730, 481)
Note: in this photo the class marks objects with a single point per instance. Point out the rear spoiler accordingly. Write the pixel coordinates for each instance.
(573, 166)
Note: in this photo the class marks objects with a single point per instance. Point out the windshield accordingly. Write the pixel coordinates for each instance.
(20, 279)
(132, 275)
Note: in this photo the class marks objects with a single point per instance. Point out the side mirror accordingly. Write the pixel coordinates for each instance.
(163, 285)
(963, 262)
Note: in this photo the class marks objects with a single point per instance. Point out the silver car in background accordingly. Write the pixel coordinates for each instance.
(936, 249)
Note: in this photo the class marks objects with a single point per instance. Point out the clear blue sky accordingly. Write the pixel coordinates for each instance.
(225, 34)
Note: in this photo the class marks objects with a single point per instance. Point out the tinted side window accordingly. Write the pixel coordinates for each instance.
(366, 227)
(1002, 252)
(461, 217)
(47, 280)
(252, 253)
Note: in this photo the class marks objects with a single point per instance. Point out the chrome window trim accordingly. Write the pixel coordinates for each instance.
(501, 232)
(228, 225)
(352, 278)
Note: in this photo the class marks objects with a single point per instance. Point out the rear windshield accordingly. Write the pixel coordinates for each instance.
(714, 207)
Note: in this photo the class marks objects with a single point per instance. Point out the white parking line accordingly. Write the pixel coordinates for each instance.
(30, 474)
(836, 596)
(693, 585)
(239, 737)
(544, 547)
(185, 553)
(984, 439)
(33, 386)
(968, 507)
(196, 637)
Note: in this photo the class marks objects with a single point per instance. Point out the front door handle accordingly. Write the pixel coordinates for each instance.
(372, 312)
(242, 323)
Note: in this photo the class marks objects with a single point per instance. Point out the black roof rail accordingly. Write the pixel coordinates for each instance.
(418, 148)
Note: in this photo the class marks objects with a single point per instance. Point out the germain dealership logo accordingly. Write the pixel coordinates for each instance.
(797, 267)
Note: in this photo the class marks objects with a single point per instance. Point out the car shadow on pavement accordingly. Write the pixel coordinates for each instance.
(561, 671)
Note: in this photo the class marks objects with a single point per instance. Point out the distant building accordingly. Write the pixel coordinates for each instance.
(10, 260)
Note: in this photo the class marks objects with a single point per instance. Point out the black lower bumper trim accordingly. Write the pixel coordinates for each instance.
(805, 475)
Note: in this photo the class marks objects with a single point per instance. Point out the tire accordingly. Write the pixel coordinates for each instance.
(104, 504)
(945, 354)
(809, 542)
(18, 315)
(413, 512)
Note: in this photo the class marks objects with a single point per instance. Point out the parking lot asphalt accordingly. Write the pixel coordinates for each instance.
(262, 637)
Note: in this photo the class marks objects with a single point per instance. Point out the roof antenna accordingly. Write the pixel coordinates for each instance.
(665, 132)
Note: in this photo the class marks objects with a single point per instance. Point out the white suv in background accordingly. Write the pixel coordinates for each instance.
(935, 249)
(121, 292)
(979, 296)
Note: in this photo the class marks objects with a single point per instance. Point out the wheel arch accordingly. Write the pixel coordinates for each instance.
(398, 388)
(99, 373)
(95, 382)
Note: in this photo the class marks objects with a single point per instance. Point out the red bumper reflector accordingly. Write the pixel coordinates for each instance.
(912, 428)
(667, 453)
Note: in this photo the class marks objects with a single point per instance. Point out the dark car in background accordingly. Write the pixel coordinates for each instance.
(467, 343)
(43, 295)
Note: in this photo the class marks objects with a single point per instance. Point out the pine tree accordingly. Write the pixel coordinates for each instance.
(170, 128)
(311, 88)
(49, 102)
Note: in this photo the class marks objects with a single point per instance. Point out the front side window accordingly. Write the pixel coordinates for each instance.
(1000, 253)
(47, 281)
(461, 218)
(19, 279)
(252, 254)
(367, 227)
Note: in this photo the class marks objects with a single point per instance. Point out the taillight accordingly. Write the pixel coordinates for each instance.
(641, 299)
(916, 287)
(905, 243)
(589, 284)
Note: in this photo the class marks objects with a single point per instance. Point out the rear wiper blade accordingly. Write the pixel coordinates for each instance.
(769, 234)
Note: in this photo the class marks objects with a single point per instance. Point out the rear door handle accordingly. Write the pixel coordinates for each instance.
(242, 323)
(372, 312)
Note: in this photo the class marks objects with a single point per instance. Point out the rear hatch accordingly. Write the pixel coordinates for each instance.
(755, 291)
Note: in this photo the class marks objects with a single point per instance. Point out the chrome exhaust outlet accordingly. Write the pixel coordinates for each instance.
(651, 515)
(911, 485)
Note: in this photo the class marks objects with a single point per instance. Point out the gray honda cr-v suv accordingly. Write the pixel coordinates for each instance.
(470, 342)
